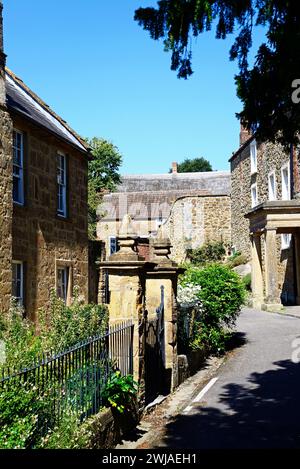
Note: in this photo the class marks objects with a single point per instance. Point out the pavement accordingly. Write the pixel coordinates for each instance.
(249, 399)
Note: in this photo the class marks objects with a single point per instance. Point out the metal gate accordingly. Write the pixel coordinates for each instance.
(155, 352)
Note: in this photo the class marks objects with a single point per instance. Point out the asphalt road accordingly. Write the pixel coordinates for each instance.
(254, 400)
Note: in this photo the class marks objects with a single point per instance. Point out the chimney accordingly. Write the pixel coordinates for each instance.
(244, 135)
(2, 61)
(174, 167)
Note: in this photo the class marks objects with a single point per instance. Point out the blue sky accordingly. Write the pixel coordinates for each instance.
(102, 73)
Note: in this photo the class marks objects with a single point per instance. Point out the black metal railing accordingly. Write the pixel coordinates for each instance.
(74, 379)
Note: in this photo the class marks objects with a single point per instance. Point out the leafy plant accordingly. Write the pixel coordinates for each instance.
(209, 252)
(103, 176)
(119, 391)
(247, 282)
(63, 326)
(236, 259)
(221, 296)
(68, 434)
(23, 413)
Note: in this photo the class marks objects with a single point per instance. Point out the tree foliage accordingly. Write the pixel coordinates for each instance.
(103, 176)
(266, 89)
(194, 165)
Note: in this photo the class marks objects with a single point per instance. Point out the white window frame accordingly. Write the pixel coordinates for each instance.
(61, 185)
(286, 195)
(19, 174)
(66, 273)
(110, 244)
(254, 203)
(253, 156)
(272, 196)
(286, 239)
(20, 299)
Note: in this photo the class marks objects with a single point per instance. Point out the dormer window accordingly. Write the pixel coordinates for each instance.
(253, 156)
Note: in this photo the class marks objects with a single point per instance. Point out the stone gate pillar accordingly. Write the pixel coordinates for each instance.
(165, 274)
(126, 290)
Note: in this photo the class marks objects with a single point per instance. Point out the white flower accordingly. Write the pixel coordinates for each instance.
(188, 295)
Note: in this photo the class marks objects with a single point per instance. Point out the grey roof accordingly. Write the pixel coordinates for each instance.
(22, 100)
(216, 182)
(152, 196)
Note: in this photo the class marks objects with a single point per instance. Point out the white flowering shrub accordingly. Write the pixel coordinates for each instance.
(188, 296)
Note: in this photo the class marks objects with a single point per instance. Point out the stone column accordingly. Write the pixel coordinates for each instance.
(126, 284)
(272, 297)
(257, 282)
(297, 266)
(165, 274)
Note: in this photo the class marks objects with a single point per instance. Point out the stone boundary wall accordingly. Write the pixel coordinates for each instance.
(195, 220)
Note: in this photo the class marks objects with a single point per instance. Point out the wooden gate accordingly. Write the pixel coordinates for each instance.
(155, 352)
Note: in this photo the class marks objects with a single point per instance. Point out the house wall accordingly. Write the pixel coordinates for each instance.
(193, 220)
(40, 238)
(6, 208)
(270, 157)
(196, 220)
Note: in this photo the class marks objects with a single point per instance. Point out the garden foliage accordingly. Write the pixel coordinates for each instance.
(220, 295)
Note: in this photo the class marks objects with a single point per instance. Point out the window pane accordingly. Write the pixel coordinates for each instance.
(18, 186)
(62, 282)
(113, 245)
(17, 281)
(61, 185)
(16, 189)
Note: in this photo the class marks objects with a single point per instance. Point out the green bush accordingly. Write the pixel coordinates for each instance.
(209, 252)
(247, 282)
(119, 391)
(64, 326)
(60, 327)
(222, 292)
(25, 412)
(236, 260)
(221, 295)
(68, 434)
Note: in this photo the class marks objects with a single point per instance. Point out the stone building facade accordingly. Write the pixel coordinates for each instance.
(190, 209)
(264, 187)
(43, 200)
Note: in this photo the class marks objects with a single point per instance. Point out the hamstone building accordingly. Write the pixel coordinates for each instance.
(43, 199)
(190, 208)
(266, 219)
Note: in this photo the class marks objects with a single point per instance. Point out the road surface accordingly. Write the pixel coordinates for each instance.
(253, 401)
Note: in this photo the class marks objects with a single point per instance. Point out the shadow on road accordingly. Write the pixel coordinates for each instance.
(264, 413)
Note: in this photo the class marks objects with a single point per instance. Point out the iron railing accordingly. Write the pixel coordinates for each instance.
(74, 379)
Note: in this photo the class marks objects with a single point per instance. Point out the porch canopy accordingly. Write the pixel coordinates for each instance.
(268, 219)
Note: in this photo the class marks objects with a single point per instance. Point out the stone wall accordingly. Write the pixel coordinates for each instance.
(5, 208)
(270, 157)
(193, 220)
(41, 239)
(196, 220)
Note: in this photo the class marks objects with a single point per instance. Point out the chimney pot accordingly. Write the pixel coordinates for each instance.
(174, 167)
